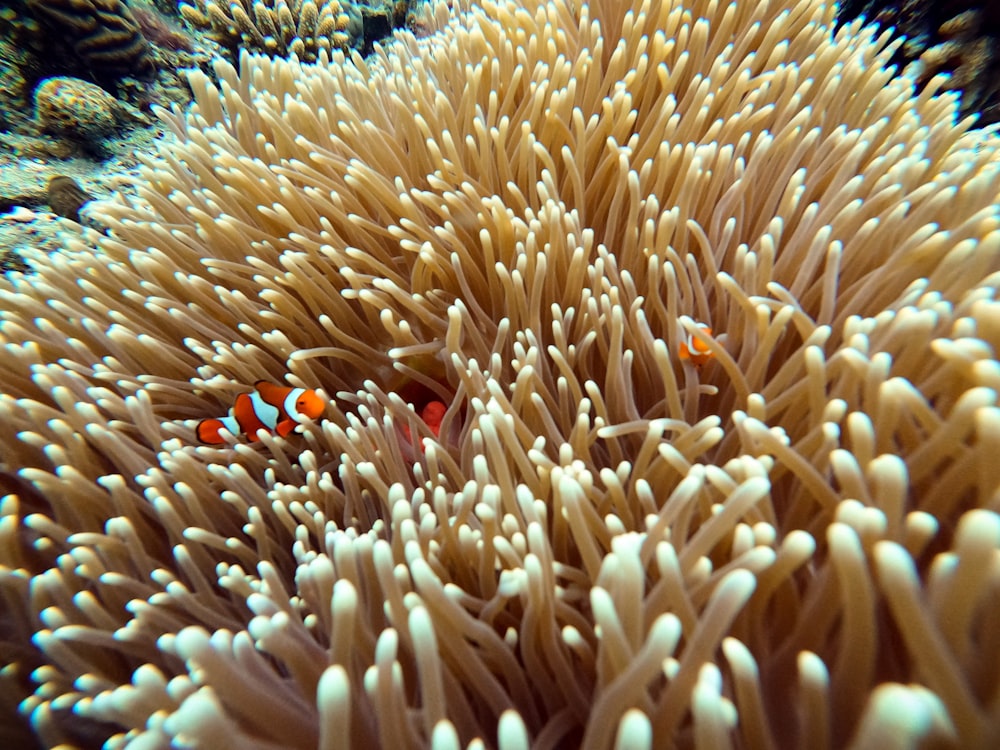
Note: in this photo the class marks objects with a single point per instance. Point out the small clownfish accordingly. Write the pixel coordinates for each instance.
(433, 415)
(271, 407)
(694, 350)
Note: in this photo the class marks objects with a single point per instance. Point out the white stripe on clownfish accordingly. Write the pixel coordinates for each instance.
(267, 413)
(230, 423)
(693, 349)
(289, 405)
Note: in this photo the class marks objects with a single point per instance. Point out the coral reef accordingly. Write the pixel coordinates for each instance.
(15, 93)
(103, 33)
(77, 109)
(81, 113)
(372, 23)
(274, 27)
(160, 33)
(135, 53)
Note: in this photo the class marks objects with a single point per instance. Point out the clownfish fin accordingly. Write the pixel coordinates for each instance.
(208, 431)
(285, 427)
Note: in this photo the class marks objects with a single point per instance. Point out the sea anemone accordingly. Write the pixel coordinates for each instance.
(792, 542)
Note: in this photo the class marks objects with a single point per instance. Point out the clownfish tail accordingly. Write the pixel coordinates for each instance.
(208, 431)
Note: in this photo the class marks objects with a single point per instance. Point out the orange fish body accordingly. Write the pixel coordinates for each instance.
(276, 408)
(694, 350)
(433, 415)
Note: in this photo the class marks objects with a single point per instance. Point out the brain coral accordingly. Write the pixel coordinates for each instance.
(524, 215)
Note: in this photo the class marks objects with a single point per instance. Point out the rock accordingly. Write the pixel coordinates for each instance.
(66, 197)
(20, 213)
(24, 182)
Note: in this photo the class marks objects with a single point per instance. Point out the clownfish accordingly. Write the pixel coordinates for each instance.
(433, 415)
(276, 408)
(694, 350)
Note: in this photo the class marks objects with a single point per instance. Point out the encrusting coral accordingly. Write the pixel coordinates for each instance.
(74, 108)
(274, 27)
(600, 544)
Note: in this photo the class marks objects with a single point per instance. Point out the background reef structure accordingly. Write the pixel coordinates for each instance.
(104, 34)
(275, 27)
(524, 214)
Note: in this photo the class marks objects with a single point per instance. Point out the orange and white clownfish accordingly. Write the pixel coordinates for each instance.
(276, 408)
(695, 351)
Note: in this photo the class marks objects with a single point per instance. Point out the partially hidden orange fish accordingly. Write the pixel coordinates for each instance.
(276, 408)
(695, 351)
(433, 415)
